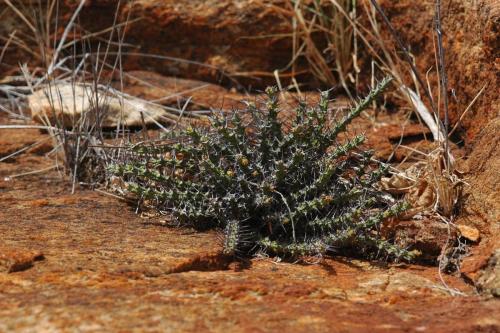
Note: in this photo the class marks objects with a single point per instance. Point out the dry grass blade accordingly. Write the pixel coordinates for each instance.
(22, 16)
(32, 172)
(324, 37)
(84, 159)
(6, 45)
(406, 53)
(67, 29)
(467, 110)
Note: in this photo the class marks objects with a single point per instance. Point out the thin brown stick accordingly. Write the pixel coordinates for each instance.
(467, 110)
(444, 80)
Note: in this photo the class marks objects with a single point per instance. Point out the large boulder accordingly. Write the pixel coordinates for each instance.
(244, 41)
(472, 44)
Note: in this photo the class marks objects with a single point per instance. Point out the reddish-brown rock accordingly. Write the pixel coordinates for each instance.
(245, 41)
(481, 207)
(107, 269)
(15, 260)
(472, 46)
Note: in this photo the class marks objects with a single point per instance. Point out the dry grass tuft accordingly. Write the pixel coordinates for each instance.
(69, 57)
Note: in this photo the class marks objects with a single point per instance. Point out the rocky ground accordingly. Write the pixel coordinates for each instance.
(87, 262)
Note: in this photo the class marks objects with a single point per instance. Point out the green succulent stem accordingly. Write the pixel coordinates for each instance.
(285, 189)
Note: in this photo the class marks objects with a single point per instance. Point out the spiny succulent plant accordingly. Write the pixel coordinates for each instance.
(286, 190)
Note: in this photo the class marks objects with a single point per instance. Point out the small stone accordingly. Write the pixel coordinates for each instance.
(468, 232)
(69, 103)
(14, 260)
(427, 236)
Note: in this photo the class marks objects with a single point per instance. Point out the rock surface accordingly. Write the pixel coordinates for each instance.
(15, 260)
(244, 41)
(490, 277)
(471, 39)
(247, 40)
(107, 269)
(482, 204)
